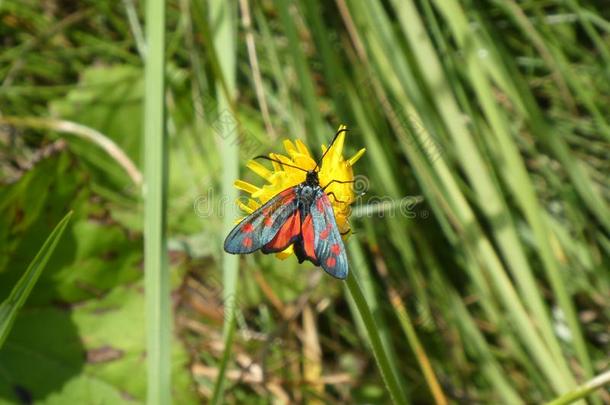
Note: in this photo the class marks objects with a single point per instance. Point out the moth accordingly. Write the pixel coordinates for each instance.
(302, 216)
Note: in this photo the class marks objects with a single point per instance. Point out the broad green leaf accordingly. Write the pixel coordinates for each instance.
(91, 353)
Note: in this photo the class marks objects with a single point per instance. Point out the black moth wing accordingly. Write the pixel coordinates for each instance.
(260, 227)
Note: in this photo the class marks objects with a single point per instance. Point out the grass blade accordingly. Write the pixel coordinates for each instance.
(10, 307)
(223, 19)
(224, 362)
(313, 118)
(583, 390)
(158, 315)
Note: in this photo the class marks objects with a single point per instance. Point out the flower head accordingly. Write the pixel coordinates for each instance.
(333, 167)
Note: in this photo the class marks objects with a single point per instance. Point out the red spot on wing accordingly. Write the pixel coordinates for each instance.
(331, 261)
(268, 221)
(320, 204)
(335, 249)
(247, 228)
(247, 242)
(324, 234)
(289, 230)
(308, 237)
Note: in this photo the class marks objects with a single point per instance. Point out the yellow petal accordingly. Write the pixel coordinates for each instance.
(284, 254)
(302, 147)
(284, 159)
(289, 146)
(244, 207)
(260, 194)
(276, 165)
(338, 144)
(245, 186)
(356, 157)
(253, 204)
(259, 169)
(303, 161)
(296, 152)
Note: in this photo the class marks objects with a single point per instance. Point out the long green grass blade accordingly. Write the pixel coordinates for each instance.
(223, 20)
(583, 390)
(10, 306)
(156, 267)
(219, 385)
(313, 118)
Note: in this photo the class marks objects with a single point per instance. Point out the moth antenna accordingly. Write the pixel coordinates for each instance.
(280, 162)
(329, 146)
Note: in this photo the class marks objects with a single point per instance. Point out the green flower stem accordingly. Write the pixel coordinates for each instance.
(389, 378)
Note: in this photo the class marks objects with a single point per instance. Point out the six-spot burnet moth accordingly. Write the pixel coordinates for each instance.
(301, 215)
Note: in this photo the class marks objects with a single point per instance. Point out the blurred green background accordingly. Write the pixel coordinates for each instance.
(481, 243)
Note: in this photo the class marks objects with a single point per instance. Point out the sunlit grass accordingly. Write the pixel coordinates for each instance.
(156, 268)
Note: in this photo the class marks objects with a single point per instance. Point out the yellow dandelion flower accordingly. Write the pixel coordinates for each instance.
(281, 177)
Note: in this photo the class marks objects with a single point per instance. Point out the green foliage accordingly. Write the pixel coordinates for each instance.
(93, 242)
(90, 354)
(109, 99)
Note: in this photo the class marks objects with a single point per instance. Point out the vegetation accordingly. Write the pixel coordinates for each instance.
(481, 248)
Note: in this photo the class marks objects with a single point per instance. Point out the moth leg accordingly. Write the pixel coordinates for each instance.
(349, 229)
(338, 181)
(335, 197)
